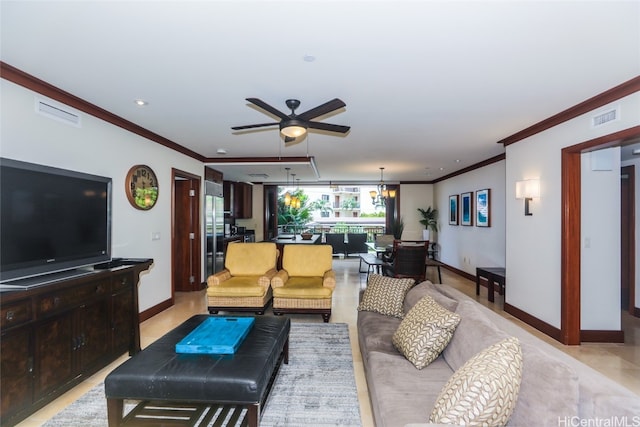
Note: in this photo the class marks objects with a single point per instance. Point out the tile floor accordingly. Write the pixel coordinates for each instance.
(620, 362)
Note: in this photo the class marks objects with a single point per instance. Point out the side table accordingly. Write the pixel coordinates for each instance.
(493, 275)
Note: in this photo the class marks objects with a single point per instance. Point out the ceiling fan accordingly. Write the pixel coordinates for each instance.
(295, 125)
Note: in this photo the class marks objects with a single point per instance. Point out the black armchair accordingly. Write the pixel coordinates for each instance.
(356, 243)
(336, 240)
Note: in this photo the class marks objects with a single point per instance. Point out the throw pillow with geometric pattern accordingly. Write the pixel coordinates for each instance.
(425, 331)
(484, 391)
(385, 295)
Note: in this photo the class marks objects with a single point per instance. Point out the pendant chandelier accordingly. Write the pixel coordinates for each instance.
(380, 197)
(295, 201)
(289, 200)
(287, 195)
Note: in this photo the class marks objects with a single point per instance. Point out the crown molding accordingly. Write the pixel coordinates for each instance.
(604, 98)
(30, 82)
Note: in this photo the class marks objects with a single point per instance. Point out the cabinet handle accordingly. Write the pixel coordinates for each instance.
(123, 281)
(30, 365)
(10, 315)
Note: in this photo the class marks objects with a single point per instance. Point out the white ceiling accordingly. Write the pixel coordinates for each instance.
(430, 86)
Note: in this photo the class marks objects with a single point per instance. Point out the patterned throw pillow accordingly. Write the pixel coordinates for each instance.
(385, 295)
(425, 331)
(484, 390)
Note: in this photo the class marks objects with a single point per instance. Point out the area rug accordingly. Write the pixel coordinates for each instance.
(316, 388)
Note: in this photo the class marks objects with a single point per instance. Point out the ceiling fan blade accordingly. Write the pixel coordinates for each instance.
(254, 126)
(268, 108)
(320, 110)
(329, 127)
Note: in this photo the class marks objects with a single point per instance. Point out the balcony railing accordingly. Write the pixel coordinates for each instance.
(346, 190)
(339, 206)
(371, 230)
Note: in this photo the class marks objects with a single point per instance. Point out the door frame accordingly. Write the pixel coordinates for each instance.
(570, 234)
(628, 234)
(196, 265)
(270, 210)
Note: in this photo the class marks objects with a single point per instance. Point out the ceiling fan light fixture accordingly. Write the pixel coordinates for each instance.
(293, 128)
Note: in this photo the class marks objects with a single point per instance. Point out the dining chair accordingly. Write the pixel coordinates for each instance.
(408, 259)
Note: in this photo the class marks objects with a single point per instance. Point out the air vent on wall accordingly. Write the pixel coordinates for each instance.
(605, 117)
(57, 111)
(258, 175)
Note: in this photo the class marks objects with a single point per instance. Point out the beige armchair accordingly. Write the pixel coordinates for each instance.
(245, 282)
(306, 282)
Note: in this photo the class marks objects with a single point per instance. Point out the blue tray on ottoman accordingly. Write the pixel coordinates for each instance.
(216, 335)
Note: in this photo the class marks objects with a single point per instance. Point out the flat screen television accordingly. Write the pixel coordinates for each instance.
(51, 220)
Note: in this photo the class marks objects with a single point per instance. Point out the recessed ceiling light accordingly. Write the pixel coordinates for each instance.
(309, 58)
(457, 160)
(140, 102)
(221, 151)
(441, 169)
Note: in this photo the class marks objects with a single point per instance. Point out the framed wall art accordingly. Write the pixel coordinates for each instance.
(483, 208)
(453, 210)
(466, 208)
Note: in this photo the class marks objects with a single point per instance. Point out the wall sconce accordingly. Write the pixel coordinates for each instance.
(528, 190)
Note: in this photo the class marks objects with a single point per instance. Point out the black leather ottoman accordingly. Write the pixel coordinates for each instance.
(200, 384)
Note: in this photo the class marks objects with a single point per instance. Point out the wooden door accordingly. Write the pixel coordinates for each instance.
(93, 337)
(186, 253)
(121, 320)
(16, 371)
(54, 354)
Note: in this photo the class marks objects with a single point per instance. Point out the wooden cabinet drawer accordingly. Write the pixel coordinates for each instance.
(72, 297)
(121, 281)
(15, 313)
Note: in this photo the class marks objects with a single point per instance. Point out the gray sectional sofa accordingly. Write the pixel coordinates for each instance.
(556, 389)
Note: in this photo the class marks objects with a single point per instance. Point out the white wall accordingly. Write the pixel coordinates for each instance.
(412, 197)
(636, 163)
(600, 254)
(102, 149)
(533, 243)
(468, 247)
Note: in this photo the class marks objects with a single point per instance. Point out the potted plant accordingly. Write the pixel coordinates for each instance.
(429, 220)
(397, 227)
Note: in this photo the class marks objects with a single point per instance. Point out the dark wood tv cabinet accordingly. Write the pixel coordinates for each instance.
(56, 334)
